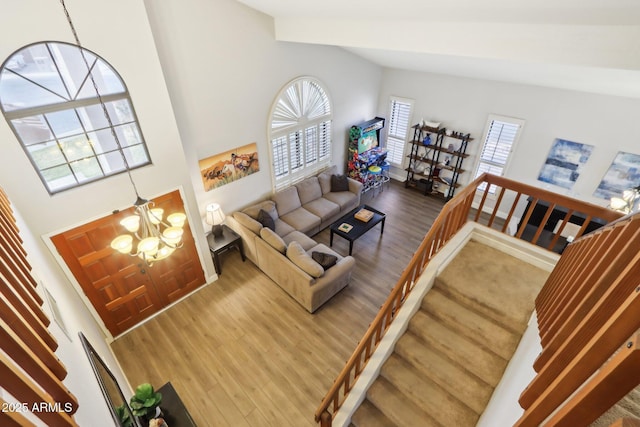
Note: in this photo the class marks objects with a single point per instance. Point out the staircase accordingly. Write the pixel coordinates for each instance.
(444, 368)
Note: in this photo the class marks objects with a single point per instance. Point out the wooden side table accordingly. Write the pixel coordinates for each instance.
(217, 246)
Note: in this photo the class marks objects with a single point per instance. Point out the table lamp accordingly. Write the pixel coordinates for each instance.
(215, 217)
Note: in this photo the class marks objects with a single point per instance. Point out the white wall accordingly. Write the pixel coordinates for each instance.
(224, 70)
(609, 123)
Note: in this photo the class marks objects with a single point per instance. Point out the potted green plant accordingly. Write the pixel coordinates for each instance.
(145, 402)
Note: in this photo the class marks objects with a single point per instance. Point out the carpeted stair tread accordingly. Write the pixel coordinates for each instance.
(628, 406)
(400, 410)
(368, 415)
(486, 365)
(442, 406)
(470, 324)
(444, 372)
(508, 285)
(454, 352)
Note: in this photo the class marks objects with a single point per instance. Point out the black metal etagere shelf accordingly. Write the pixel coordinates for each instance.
(435, 160)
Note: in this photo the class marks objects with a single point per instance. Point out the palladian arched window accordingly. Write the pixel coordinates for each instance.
(48, 96)
(300, 132)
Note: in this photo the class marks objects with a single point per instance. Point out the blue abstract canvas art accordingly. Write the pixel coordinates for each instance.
(623, 174)
(564, 163)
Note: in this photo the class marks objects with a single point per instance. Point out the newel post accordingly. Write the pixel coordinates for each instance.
(325, 419)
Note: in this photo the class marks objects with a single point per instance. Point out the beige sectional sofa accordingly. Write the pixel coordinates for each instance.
(283, 250)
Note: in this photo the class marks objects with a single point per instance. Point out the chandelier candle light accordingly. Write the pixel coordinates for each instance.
(146, 224)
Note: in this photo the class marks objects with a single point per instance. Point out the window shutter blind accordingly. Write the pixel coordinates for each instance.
(280, 157)
(399, 117)
(295, 144)
(311, 145)
(496, 149)
(500, 139)
(325, 142)
(300, 132)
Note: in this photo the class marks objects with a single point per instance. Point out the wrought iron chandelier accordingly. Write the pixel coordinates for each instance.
(156, 239)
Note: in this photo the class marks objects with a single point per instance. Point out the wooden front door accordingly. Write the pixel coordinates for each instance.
(123, 289)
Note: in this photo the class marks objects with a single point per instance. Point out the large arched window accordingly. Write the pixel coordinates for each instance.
(48, 96)
(300, 131)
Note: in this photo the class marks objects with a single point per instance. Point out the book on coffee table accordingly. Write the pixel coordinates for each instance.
(363, 215)
(345, 227)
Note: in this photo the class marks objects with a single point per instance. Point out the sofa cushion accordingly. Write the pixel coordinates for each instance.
(267, 205)
(282, 228)
(273, 239)
(248, 222)
(266, 220)
(299, 257)
(325, 260)
(305, 241)
(287, 200)
(322, 207)
(339, 183)
(343, 198)
(308, 190)
(301, 220)
(324, 179)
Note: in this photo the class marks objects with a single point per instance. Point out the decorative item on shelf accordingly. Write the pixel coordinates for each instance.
(145, 403)
(629, 202)
(153, 244)
(427, 123)
(427, 140)
(215, 218)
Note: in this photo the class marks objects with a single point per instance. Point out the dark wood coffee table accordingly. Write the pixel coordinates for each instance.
(358, 227)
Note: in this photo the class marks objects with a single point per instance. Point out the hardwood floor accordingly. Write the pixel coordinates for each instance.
(241, 352)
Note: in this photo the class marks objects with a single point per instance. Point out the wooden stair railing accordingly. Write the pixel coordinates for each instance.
(454, 215)
(587, 311)
(31, 372)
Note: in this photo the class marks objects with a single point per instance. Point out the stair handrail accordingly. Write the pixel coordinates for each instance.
(453, 216)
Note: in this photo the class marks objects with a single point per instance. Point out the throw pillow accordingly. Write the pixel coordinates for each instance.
(325, 178)
(325, 260)
(266, 220)
(339, 183)
(299, 257)
(273, 239)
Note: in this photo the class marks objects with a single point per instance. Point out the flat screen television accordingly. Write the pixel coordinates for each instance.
(367, 141)
(113, 396)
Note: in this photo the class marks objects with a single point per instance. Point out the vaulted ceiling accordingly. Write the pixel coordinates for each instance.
(586, 45)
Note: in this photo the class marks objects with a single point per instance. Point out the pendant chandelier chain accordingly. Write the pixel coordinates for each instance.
(99, 96)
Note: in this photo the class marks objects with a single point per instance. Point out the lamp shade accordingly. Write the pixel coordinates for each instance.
(215, 216)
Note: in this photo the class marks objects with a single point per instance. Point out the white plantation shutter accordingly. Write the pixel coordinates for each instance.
(399, 122)
(501, 136)
(300, 132)
(280, 157)
(311, 145)
(324, 143)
